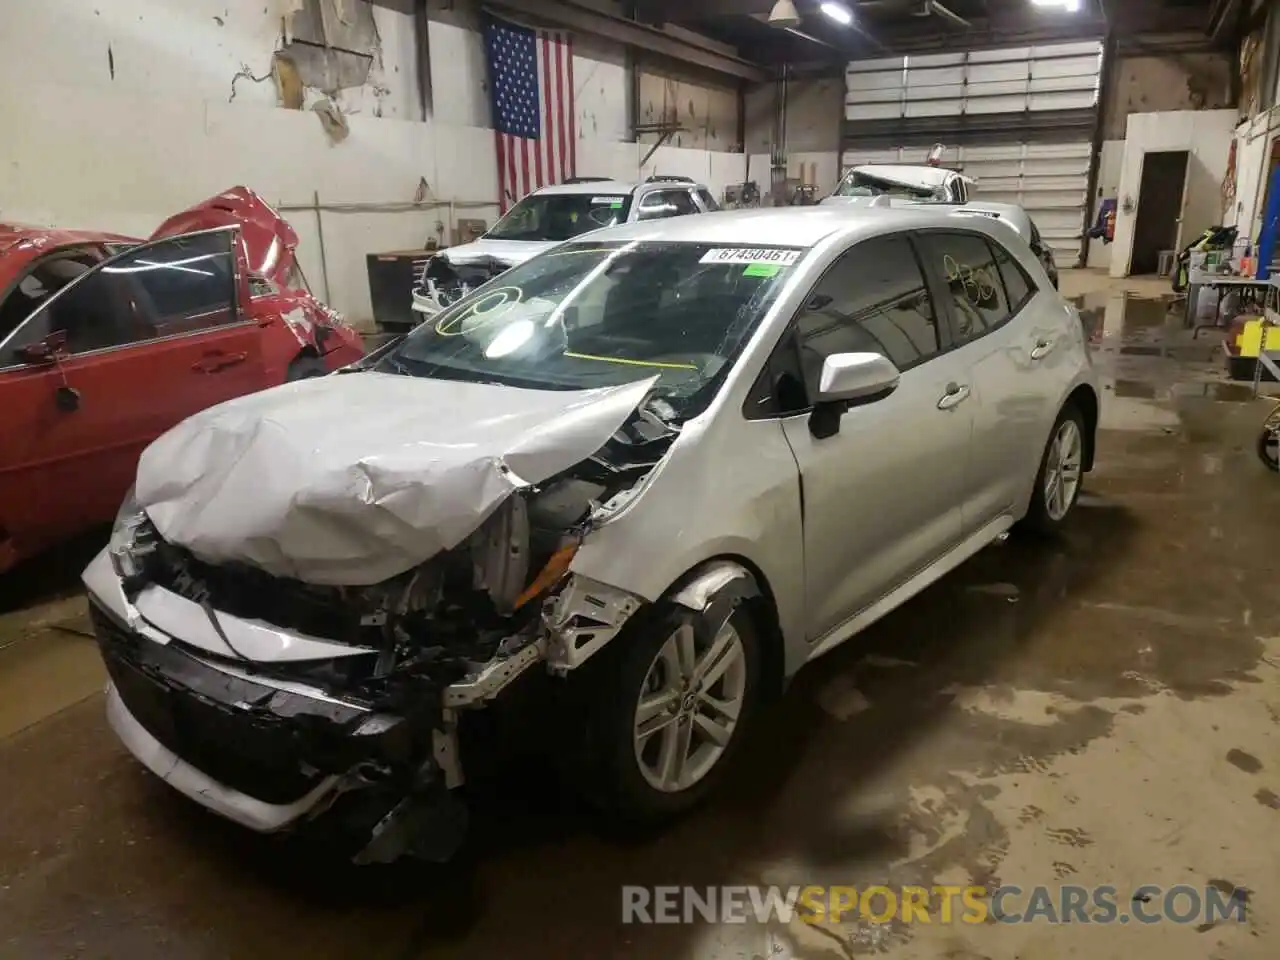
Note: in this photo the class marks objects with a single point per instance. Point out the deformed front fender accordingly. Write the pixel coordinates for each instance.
(718, 579)
(587, 614)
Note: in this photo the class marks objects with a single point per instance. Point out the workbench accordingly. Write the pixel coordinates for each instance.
(1223, 282)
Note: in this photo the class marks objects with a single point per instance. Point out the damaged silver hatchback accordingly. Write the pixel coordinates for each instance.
(659, 467)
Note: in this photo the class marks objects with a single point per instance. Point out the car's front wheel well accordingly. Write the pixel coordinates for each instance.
(305, 364)
(1086, 401)
(760, 605)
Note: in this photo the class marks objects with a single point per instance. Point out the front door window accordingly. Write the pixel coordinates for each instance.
(173, 286)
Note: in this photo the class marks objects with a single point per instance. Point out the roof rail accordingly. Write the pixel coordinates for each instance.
(587, 180)
(667, 178)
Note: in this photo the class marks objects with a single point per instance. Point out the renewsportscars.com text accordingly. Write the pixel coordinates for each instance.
(1068, 903)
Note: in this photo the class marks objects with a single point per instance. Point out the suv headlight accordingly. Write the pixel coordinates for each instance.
(132, 538)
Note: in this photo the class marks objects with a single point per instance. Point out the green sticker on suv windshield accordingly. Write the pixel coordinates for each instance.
(760, 270)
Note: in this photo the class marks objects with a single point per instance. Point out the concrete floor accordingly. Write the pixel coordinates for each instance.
(1101, 711)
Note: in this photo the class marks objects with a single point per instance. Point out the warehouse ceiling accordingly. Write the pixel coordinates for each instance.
(887, 27)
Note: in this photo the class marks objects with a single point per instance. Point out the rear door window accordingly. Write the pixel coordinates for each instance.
(1018, 286)
(967, 265)
(708, 201)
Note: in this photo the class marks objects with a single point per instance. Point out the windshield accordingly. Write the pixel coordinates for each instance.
(605, 314)
(560, 216)
(857, 184)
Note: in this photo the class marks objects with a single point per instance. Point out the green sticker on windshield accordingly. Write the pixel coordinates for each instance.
(616, 204)
(761, 270)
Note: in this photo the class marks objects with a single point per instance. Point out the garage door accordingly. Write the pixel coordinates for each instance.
(1020, 120)
(1049, 180)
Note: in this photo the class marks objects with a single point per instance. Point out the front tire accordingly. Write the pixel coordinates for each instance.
(671, 710)
(1060, 476)
(305, 367)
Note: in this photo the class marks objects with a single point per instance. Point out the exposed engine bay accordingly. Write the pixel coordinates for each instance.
(444, 282)
(447, 635)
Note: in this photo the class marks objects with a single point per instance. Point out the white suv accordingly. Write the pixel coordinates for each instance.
(548, 217)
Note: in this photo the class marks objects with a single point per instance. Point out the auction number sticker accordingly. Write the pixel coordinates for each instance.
(607, 201)
(782, 258)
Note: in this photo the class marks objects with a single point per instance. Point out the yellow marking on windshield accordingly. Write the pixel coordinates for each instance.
(632, 363)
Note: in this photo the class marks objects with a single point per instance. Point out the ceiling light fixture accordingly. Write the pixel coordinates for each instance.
(784, 15)
(1070, 6)
(838, 12)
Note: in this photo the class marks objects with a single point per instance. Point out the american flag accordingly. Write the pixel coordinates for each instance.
(531, 94)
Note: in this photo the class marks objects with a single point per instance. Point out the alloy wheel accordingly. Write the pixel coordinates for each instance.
(688, 709)
(1062, 470)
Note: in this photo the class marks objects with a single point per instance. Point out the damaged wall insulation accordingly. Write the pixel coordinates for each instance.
(705, 115)
(178, 101)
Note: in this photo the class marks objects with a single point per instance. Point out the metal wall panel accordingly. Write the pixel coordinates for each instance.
(1049, 180)
(1018, 119)
(1062, 76)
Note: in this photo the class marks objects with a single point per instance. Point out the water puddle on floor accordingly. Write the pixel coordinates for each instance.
(1221, 392)
(1129, 318)
(1137, 389)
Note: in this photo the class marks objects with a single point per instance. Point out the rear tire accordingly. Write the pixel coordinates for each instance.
(1268, 446)
(1060, 476)
(661, 736)
(304, 367)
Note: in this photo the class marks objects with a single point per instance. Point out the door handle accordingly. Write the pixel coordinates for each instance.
(213, 362)
(956, 394)
(1042, 349)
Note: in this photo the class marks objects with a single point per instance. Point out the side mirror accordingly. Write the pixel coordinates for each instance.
(48, 350)
(848, 380)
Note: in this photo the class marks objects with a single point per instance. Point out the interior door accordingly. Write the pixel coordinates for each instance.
(881, 496)
(1160, 198)
(150, 336)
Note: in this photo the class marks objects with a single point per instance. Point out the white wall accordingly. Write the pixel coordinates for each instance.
(84, 148)
(1206, 135)
(1254, 141)
(1110, 163)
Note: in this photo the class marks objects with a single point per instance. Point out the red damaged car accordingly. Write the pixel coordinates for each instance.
(107, 341)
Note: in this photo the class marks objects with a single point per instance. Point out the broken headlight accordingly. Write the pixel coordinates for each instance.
(132, 539)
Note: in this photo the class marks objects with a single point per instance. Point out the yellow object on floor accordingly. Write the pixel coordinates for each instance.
(1249, 339)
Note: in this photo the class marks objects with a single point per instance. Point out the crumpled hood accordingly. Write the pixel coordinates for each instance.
(351, 479)
(270, 242)
(511, 252)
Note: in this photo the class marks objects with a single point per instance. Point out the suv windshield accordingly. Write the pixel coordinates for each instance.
(857, 184)
(560, 216)
(605, 314)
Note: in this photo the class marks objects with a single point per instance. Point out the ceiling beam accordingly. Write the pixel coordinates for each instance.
(1035, 29)
(1225, 19)
(678, 10)
(678, 46)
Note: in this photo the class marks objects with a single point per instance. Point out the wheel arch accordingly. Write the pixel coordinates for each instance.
(1085, 399)
(737, 578)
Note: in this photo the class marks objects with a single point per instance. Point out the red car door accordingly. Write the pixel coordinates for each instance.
(134, 345)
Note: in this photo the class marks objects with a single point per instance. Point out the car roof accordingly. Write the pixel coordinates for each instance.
(910, 174)
(772, 226)
(607, 187)
(1010, 213)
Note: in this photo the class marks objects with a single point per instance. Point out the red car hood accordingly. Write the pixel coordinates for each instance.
(270, 242)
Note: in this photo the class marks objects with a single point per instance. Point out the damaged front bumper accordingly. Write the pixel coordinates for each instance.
(269, 752)
(220, 708)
